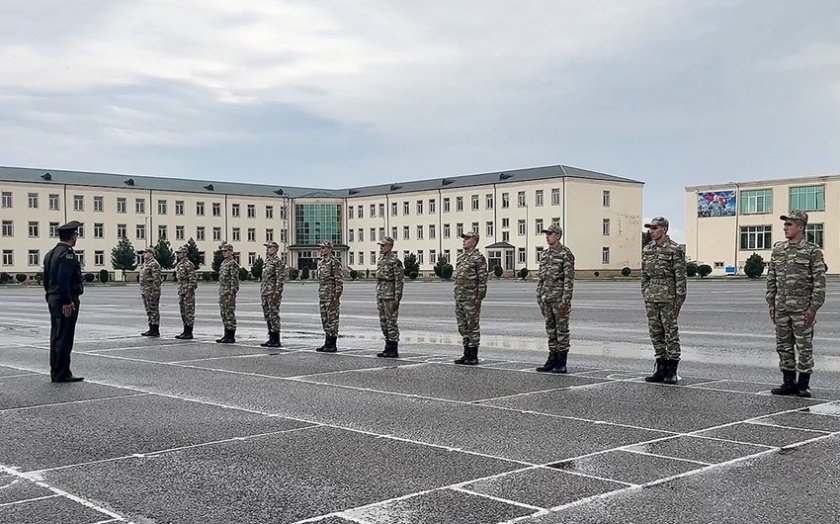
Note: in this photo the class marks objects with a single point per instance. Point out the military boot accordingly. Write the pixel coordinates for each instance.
(472, 356)
(465, 357)
(391, 350)
(273, 340)
(788, 386)
(269, 341)
(331, 345)
(325, 345)
(187, 334)
(802, 387)
(228, 338)
(658, 373)
(549, 364)
(671, 371)
(560, 363)
(152, 332)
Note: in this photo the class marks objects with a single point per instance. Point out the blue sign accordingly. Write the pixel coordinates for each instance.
(731, 270)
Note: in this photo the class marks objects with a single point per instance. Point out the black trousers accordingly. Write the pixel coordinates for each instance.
(62, 332)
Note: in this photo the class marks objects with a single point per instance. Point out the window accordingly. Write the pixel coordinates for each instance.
(140, 206)
(139, 259)
(505, 223)
(98, 204)
(351, 210)
(8, 257)
(236, 234)
(179, 232)
(394, 232)
(419, 232)
(179, 207)
(505, 200)
(81, 231)
(234, 210)
(252, 257)
(217, 234)
(814, 234)
(446, 255)
(141, 232)
(605, 227)
(80, 256)
(351, 258)
(269, 235)
(282, 212)
(539, 252)
(372, 234)
(98, 258)
(432, 256)
(538, 226)
(361, 235)
(538, 201)
(405, 208)
(161, 207)
(283, 238)
(459, 203)
(521, 228)
(807, 198)
(199, 233)
(405, 232)
(33, 229)
(199, 209)
(252, 234)
(432, 206)
(122, 231)
(446, 205)
(78, 203)
(756, 237)
(361, 212)
(555, 221)
(373, 257)
(351, 235)
(490, 229)
(474, 227)
(505, 236)
(432, 231)
(53, 229)
(520, 199)
(420, 258)
(719, 265)
(7, 199)
(33, 200)
(382, 210)
(99, 231)
(474, 202)
(217, 210)
(34, 257)
(555, 197)
(54, 205)
(605, 200)
(605, 255)
(520, 255)
(381, 233)
(419, 207)
(446, 231)
(361, 258)
(756, 201)
(121, 205)
(373, 210)
(488, 201)
(459, 229)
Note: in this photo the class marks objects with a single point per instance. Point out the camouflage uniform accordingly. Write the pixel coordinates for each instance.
(330, 287)
(470, 286)
(228, 287)
(187, 282)
(150, 282)
(663, 287)
(389, 290)
(271, 291)
(554, 288)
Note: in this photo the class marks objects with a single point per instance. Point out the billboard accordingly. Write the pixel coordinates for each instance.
(716, 204)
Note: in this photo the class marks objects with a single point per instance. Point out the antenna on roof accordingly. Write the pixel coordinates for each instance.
(128, 181)
(46, 176)
(446, 181)
(209, 187)
(279, 192)
(394, 187)
(353, 192)
(504, 176)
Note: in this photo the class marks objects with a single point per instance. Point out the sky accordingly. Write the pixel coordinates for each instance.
(335, 93)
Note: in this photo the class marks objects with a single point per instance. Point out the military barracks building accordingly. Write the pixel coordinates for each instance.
(726, 223)
(601, 216)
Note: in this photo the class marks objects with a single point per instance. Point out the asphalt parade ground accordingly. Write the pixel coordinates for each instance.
(164, 431)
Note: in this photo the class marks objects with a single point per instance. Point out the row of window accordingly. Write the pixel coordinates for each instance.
(804, 198)
(475, 204)
(761, 237)
(34, 257)
(140, 206)
(358, 235)
(492, 255)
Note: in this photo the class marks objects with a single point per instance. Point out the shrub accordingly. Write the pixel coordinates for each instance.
(597, 273)
(5, 277)
(293, 273)
(446, 271)
(304, 275)
(39, 277)
(20, 277)
(410, 264)
(523, 273)
(625, 271)
(413, 275)
(754, 266)
(354, 274)
(704, 270)
(214, 275)
(691, 269)
(244, 274)
(441, 261)
(207, 277)
(257, 268)
(103, 276)
(497, 270)
(90, 277)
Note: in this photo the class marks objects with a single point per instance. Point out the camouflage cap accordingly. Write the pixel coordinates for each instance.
(658, 222)
(69, 226)
(386, 240)
(553, 228)
(470, 234)
(326, 243)
(150, 250)
(795, 214)
(226, 247)
(182, 249)
(271, 244)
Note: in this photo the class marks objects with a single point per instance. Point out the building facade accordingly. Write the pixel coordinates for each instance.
(726, 223)
(600, 214)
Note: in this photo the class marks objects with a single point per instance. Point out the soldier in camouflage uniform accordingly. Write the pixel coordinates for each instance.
(389, 290)
(228, 287)
(150, 282)
(664, 290)
(470, 290)
(330, 287)
(795, 292)
(187, 282)
(271, 293)
(554, 295)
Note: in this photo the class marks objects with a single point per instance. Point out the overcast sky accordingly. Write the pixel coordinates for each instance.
(343, 93)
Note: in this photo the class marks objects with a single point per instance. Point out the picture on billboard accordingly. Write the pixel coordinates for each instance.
(716, 204)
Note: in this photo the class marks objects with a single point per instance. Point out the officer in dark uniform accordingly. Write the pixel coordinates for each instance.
(63, 284)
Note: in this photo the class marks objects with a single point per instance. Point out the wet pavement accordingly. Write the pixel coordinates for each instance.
(198, 432)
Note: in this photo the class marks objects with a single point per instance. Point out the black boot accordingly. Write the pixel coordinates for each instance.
(152, 332)
(788, 386)
(273, 340)
(671, 371)
(560, 363)
(391, 350)
(268, 342)
(472, 356)
(658, 373)
(331, 345)
(187, 334)
(549, 364)
(228, 337)
(325, 345)
(802, 387)
(465, 356)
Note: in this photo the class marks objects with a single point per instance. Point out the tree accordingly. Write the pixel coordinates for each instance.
(523, 273)
(20, 277)
(410, 264)
(218, 258)
(103, 276)
(625, 271)
(441, 261)
(193, 254)
(123, 256)
(304, 275)
(754, 266)
(163, 254)
(5, 278)
(704, 270)
(497, 270)
(446, 271)
(354, 274)
(257, 268)
(691, 269)
(413, 275)
(244, 274)
(293, 273)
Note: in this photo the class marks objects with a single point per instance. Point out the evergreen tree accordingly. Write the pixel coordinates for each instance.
(441, 261)
(164, 254)
(193, 254)
(754, 266)
(218, 258)
(257, 268)
(123, 256)
(410, 264)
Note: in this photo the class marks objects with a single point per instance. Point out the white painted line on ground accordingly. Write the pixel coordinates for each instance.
(497, 499)
(69, 402)
(27, 501)
(639, 452)
(770, 425)
(18, 376)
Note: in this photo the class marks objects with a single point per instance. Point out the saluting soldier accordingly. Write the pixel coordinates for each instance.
(664, 291)
(150, 282)
(187, 283)
(330, 287)
(228, 288)
(795, 292)
(554, 296)
(271, 293)
(470, 290)
(63, 285)
(389, 290)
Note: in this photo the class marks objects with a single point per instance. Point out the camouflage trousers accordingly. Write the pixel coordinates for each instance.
(151, 301)
(227, 308)
(467, 316)
(329, 317)
(187, 304)
(664, 333)
(389, 310)
(792, 335)
(557, 328)
(271, 314)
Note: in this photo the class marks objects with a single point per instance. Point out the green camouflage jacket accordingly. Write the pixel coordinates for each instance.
(796, 276)
(556, 276)
(663, 273)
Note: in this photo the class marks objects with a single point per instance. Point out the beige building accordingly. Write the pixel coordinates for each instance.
(726, 223)
(600, 214)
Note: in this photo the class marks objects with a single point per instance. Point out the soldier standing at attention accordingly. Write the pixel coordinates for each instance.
(150, 282)
(554, 295)
(187, 282)
(389, 290)
(63, 285)
(470, 290)
(330, 287)
(795, 292)
(664, 290)
(228, 287)
(271, 293)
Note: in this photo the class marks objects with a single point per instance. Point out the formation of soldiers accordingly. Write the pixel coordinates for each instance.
(795, 292)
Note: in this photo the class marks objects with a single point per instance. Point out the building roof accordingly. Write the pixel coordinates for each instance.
(119, 181)
(763, 183)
